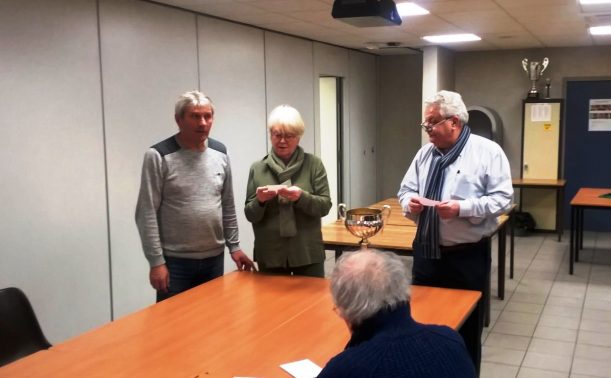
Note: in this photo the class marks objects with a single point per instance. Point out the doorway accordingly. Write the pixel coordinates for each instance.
(586, 162)
(331, 137)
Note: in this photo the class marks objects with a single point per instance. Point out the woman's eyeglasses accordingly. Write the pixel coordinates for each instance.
(280, 136)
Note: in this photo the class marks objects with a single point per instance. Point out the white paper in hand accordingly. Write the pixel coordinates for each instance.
(302, 369)
(428, 202)
(275, 188)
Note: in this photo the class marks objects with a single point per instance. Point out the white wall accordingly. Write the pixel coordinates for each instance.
(399, 107)
(232, 72)
(87, 87)
(53, 199)
(149, 57)
(289, 76)
(361, 129)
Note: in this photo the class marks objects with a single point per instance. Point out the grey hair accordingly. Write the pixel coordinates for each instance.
(365, 282)
(450, 104)
(191, 98)
(287, 119)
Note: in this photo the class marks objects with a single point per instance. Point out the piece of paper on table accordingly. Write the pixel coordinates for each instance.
(428, 202)
(302, 369)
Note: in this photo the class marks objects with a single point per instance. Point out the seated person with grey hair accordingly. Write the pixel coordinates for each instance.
(371, 293)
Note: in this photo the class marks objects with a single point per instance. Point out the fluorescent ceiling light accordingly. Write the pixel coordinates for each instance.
(595, 1)
(600, 30)
(410, 9)
(451, 38)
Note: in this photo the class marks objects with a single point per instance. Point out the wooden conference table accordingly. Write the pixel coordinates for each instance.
(557, 185)
(241, 324)
(585, 198)
(399, 232)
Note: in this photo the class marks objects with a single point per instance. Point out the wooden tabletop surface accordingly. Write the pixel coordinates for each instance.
(550, 183)
(591, 197)
(242, 324)
(398, 232)
(391, 237)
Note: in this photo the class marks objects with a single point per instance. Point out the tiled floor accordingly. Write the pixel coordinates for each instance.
(551, 324)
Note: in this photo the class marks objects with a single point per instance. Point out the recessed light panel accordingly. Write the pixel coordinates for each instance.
(451, 38)
(410, 9)
(600, 30)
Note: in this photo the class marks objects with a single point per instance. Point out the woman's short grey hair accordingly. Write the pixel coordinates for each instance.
(286, 119)
(365, 282)
(191, 98)
(450, 104)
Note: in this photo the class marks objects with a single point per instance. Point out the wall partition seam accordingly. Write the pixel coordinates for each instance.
(267, 147)
(199, 76)
(315, 97)
(106, 188)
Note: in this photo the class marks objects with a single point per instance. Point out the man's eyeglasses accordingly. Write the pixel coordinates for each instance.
(426, 125)
(280, 136)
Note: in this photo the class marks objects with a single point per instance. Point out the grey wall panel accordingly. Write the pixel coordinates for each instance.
(53, 223)
(289, 73)
(232, 73)
(362, 129)
(399, 106)
(496, 79)
(149, 57)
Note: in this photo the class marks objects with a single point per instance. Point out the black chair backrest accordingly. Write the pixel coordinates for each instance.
(20, 333)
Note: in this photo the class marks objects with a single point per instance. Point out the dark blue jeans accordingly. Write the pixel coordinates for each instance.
(188, 273)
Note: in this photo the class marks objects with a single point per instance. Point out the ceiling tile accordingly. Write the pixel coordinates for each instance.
(291, 5)
(502, 24)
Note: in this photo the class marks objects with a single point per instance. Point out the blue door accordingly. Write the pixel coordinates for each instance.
(587, 156)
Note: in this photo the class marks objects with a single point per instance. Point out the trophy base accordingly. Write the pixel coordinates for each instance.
(534, 95)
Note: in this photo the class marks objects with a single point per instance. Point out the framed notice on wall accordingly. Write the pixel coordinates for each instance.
(599, 114)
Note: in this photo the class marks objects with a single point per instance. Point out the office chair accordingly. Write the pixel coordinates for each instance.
(20, 333)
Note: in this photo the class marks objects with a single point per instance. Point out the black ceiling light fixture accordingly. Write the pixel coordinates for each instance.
(366, 13)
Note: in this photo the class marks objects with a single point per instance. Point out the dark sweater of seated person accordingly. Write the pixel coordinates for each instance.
(392, 344)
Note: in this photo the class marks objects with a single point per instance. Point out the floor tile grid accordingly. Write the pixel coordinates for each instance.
(517, 358)
(582, 356)
(592, 355)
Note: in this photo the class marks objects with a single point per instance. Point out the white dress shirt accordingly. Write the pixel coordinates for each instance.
(479, 179)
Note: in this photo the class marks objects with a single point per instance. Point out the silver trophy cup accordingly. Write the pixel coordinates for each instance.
(363, 222)
(534, 70)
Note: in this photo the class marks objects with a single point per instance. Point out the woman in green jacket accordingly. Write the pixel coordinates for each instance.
(287, 194)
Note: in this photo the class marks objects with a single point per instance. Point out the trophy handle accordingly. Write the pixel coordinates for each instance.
(341, 211)
(525, 64)
(545, 63)
(385, 213)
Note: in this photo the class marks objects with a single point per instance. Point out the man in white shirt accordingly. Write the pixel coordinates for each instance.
(469, 179)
